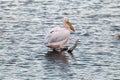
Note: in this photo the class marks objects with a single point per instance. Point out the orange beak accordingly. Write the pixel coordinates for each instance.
(70, 26)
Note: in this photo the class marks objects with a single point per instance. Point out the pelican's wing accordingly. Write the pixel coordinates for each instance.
(56, 35)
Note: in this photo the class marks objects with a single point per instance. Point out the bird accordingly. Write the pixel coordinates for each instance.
(118, 36)
(57, 37)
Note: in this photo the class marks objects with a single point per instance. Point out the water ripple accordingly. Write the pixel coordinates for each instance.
(23, 24)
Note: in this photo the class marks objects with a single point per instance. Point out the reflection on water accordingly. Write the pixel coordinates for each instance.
(58, 63)
(56, 56)
(23, 24)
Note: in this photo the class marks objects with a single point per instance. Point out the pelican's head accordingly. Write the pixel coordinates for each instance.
(68, 24)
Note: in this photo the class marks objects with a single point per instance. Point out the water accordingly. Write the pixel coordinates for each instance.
(23, 24)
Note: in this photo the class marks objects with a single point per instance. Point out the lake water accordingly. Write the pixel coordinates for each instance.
(23, 24)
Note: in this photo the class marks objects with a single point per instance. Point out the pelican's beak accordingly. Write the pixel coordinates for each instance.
(70, 26)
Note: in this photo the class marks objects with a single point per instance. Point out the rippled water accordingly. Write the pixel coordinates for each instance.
(23, 24)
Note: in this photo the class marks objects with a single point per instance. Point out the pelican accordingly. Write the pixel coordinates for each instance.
(58, 37)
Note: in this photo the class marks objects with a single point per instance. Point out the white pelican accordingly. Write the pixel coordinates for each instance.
(58, 37)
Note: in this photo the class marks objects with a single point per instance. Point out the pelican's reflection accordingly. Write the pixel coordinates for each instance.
(58, 57)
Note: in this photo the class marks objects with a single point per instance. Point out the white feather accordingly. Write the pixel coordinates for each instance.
(57, 36)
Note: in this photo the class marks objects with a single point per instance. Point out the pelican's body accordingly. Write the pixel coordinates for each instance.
(58, 37)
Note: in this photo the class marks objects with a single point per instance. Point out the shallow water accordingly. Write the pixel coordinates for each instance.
(23, 24)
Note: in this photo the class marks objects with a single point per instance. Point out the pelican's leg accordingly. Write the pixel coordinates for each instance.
(65, 48)
(54, 49)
